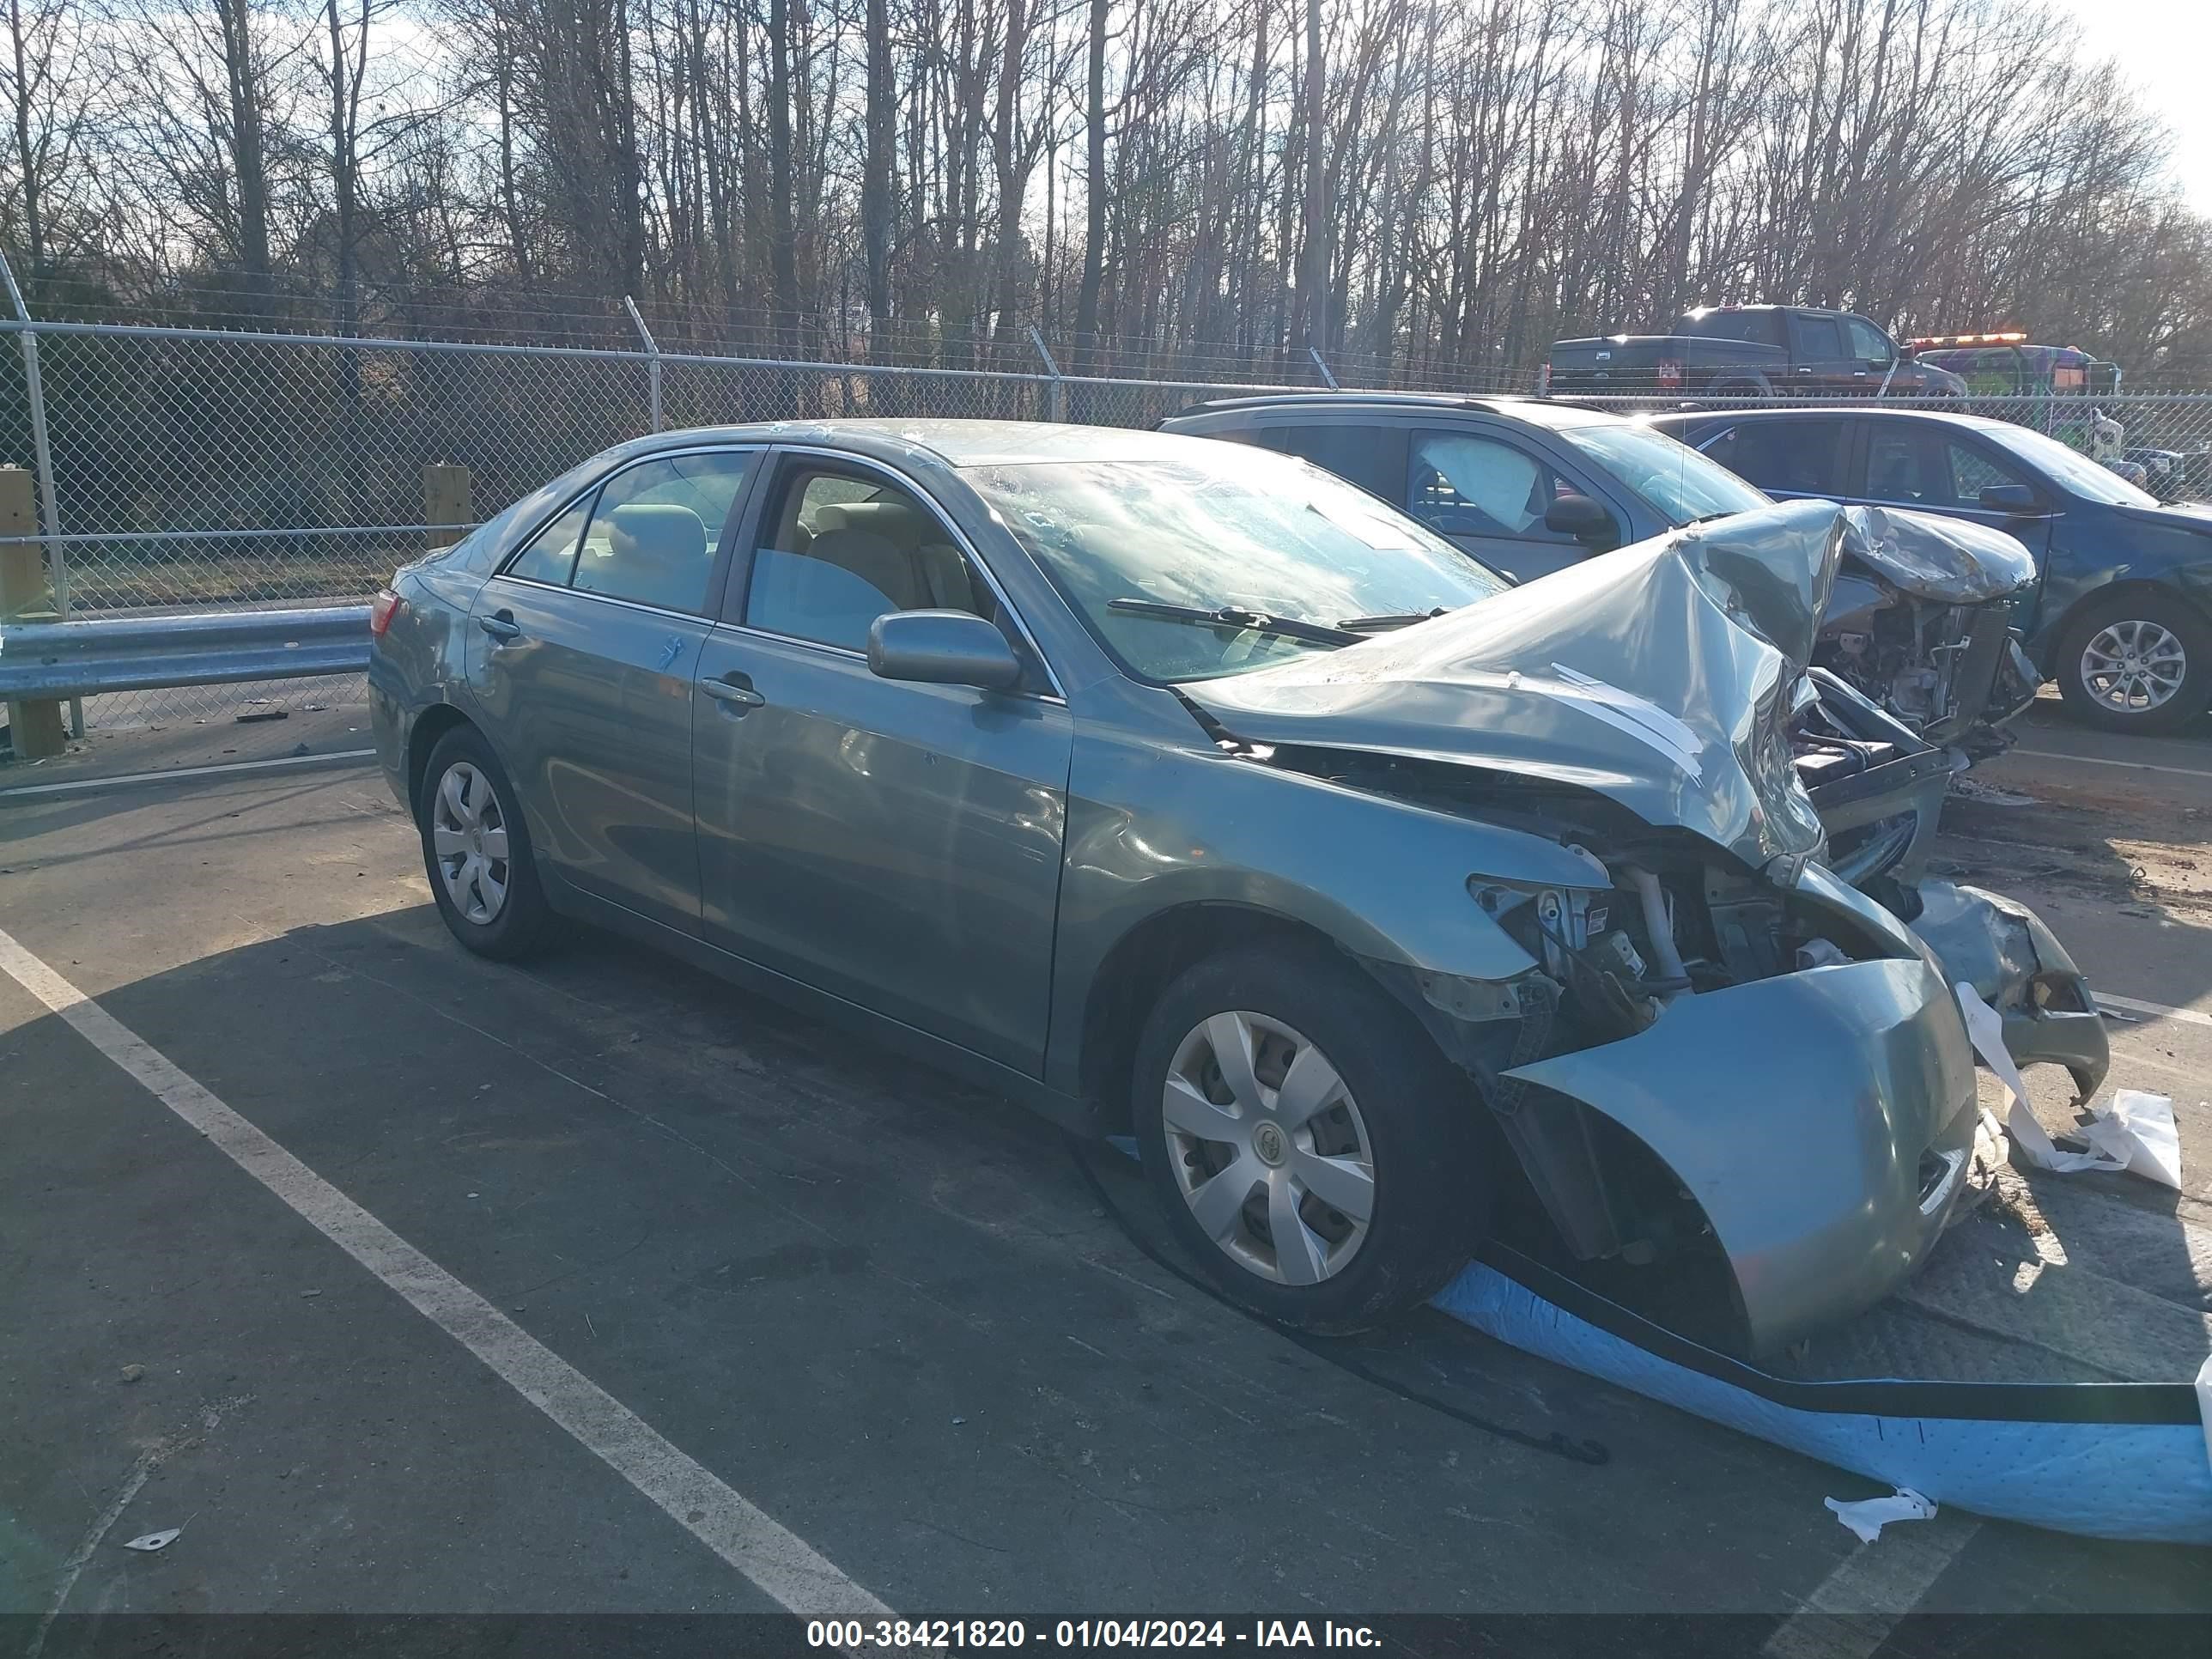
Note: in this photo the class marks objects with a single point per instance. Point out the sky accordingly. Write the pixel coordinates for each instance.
(2164, 46)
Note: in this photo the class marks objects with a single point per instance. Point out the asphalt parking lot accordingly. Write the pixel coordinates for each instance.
(887, 1315)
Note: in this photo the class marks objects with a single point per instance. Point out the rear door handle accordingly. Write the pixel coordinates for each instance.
(500, 626)
(735, 690)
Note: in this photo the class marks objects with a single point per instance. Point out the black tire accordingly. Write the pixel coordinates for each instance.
(521, 926)
(2169, 611)
(1432, 1175)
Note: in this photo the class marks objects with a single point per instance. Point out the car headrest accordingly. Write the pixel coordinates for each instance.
(895, 521)
(662, 532)
(876, 560)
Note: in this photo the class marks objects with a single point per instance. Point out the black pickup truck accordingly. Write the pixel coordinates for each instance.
(1748, 351)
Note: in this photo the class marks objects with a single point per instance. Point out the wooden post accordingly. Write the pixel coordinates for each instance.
(445, 501)
(35, 727)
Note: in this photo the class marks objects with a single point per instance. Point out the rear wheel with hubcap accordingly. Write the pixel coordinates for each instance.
(1310, 1144)
(476, 850)
(2140, 661)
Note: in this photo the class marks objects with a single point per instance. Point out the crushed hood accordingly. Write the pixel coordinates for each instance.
(1952, 561)
(1660, 675)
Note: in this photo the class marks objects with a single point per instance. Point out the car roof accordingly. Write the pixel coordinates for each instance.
(1948, 418)
(954, 443)
(1543, 412)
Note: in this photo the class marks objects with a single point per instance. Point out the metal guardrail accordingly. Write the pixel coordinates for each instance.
(139, 653)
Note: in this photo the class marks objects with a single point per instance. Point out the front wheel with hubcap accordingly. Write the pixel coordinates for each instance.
(2139, 662)
(1310, 1144)
(476, 850)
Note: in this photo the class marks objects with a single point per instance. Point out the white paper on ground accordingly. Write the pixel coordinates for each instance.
(2138, 1129)
(1869, 1515)
(2135, 1132)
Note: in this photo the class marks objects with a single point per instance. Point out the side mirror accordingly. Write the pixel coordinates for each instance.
(942, 647)
(1907, 350)
(2017, 500)
(1580, 517)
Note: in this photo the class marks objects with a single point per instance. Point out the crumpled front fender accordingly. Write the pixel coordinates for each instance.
(2015, 963)
(1814, 1116)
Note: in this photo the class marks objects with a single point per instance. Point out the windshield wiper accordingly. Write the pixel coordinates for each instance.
(1391, 619)
(1238, 620)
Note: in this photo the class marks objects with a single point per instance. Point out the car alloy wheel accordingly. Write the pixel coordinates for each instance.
(1268, 1148)
(468, 840)
(2133, 666)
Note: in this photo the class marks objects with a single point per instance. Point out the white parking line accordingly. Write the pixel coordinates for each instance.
(1850, 1612)
(2155, 1009)
(777, 1561)
(70, 786)
(2098, 760)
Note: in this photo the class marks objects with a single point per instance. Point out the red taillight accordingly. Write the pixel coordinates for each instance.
(1543, 378)
(382, 610)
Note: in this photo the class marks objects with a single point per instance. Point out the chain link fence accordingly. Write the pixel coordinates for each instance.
(194, 469)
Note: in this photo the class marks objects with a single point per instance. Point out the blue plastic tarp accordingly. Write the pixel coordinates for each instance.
(2125, 1460)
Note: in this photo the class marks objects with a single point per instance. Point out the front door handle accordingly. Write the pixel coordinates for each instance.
(501, 626)
(734, 689)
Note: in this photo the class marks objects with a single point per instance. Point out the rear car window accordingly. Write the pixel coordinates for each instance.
(1787, 457)
(1816, 339)
(552, 552)
(655, 531)
(1372, 457)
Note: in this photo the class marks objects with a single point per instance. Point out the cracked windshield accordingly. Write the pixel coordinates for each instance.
(1266, 539)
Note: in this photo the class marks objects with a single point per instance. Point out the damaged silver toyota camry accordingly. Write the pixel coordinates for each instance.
(1184, 791)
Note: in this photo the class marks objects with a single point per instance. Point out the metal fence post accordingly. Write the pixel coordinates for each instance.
(1057, 399)
(1327, 379)
(43, 458)
(33, 726)
(652, 358)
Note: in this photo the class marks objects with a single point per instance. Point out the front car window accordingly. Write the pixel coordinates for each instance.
(1926, 466)
(1241, 528)
(1868, 343)
(1680, 484)
(842, 548)
(1462, 484)
(2073, 470)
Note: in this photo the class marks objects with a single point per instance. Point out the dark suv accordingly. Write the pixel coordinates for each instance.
(2122, 619)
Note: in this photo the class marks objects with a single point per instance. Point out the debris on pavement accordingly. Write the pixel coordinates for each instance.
(132, 1373)
(2135, 1132)
(1867, 1516)
(148, 1542)
(261, 714)
(2138, 1129)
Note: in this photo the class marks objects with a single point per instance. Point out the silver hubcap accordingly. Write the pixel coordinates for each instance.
(1268, 1149)
(468, 835)
(2133, 667)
